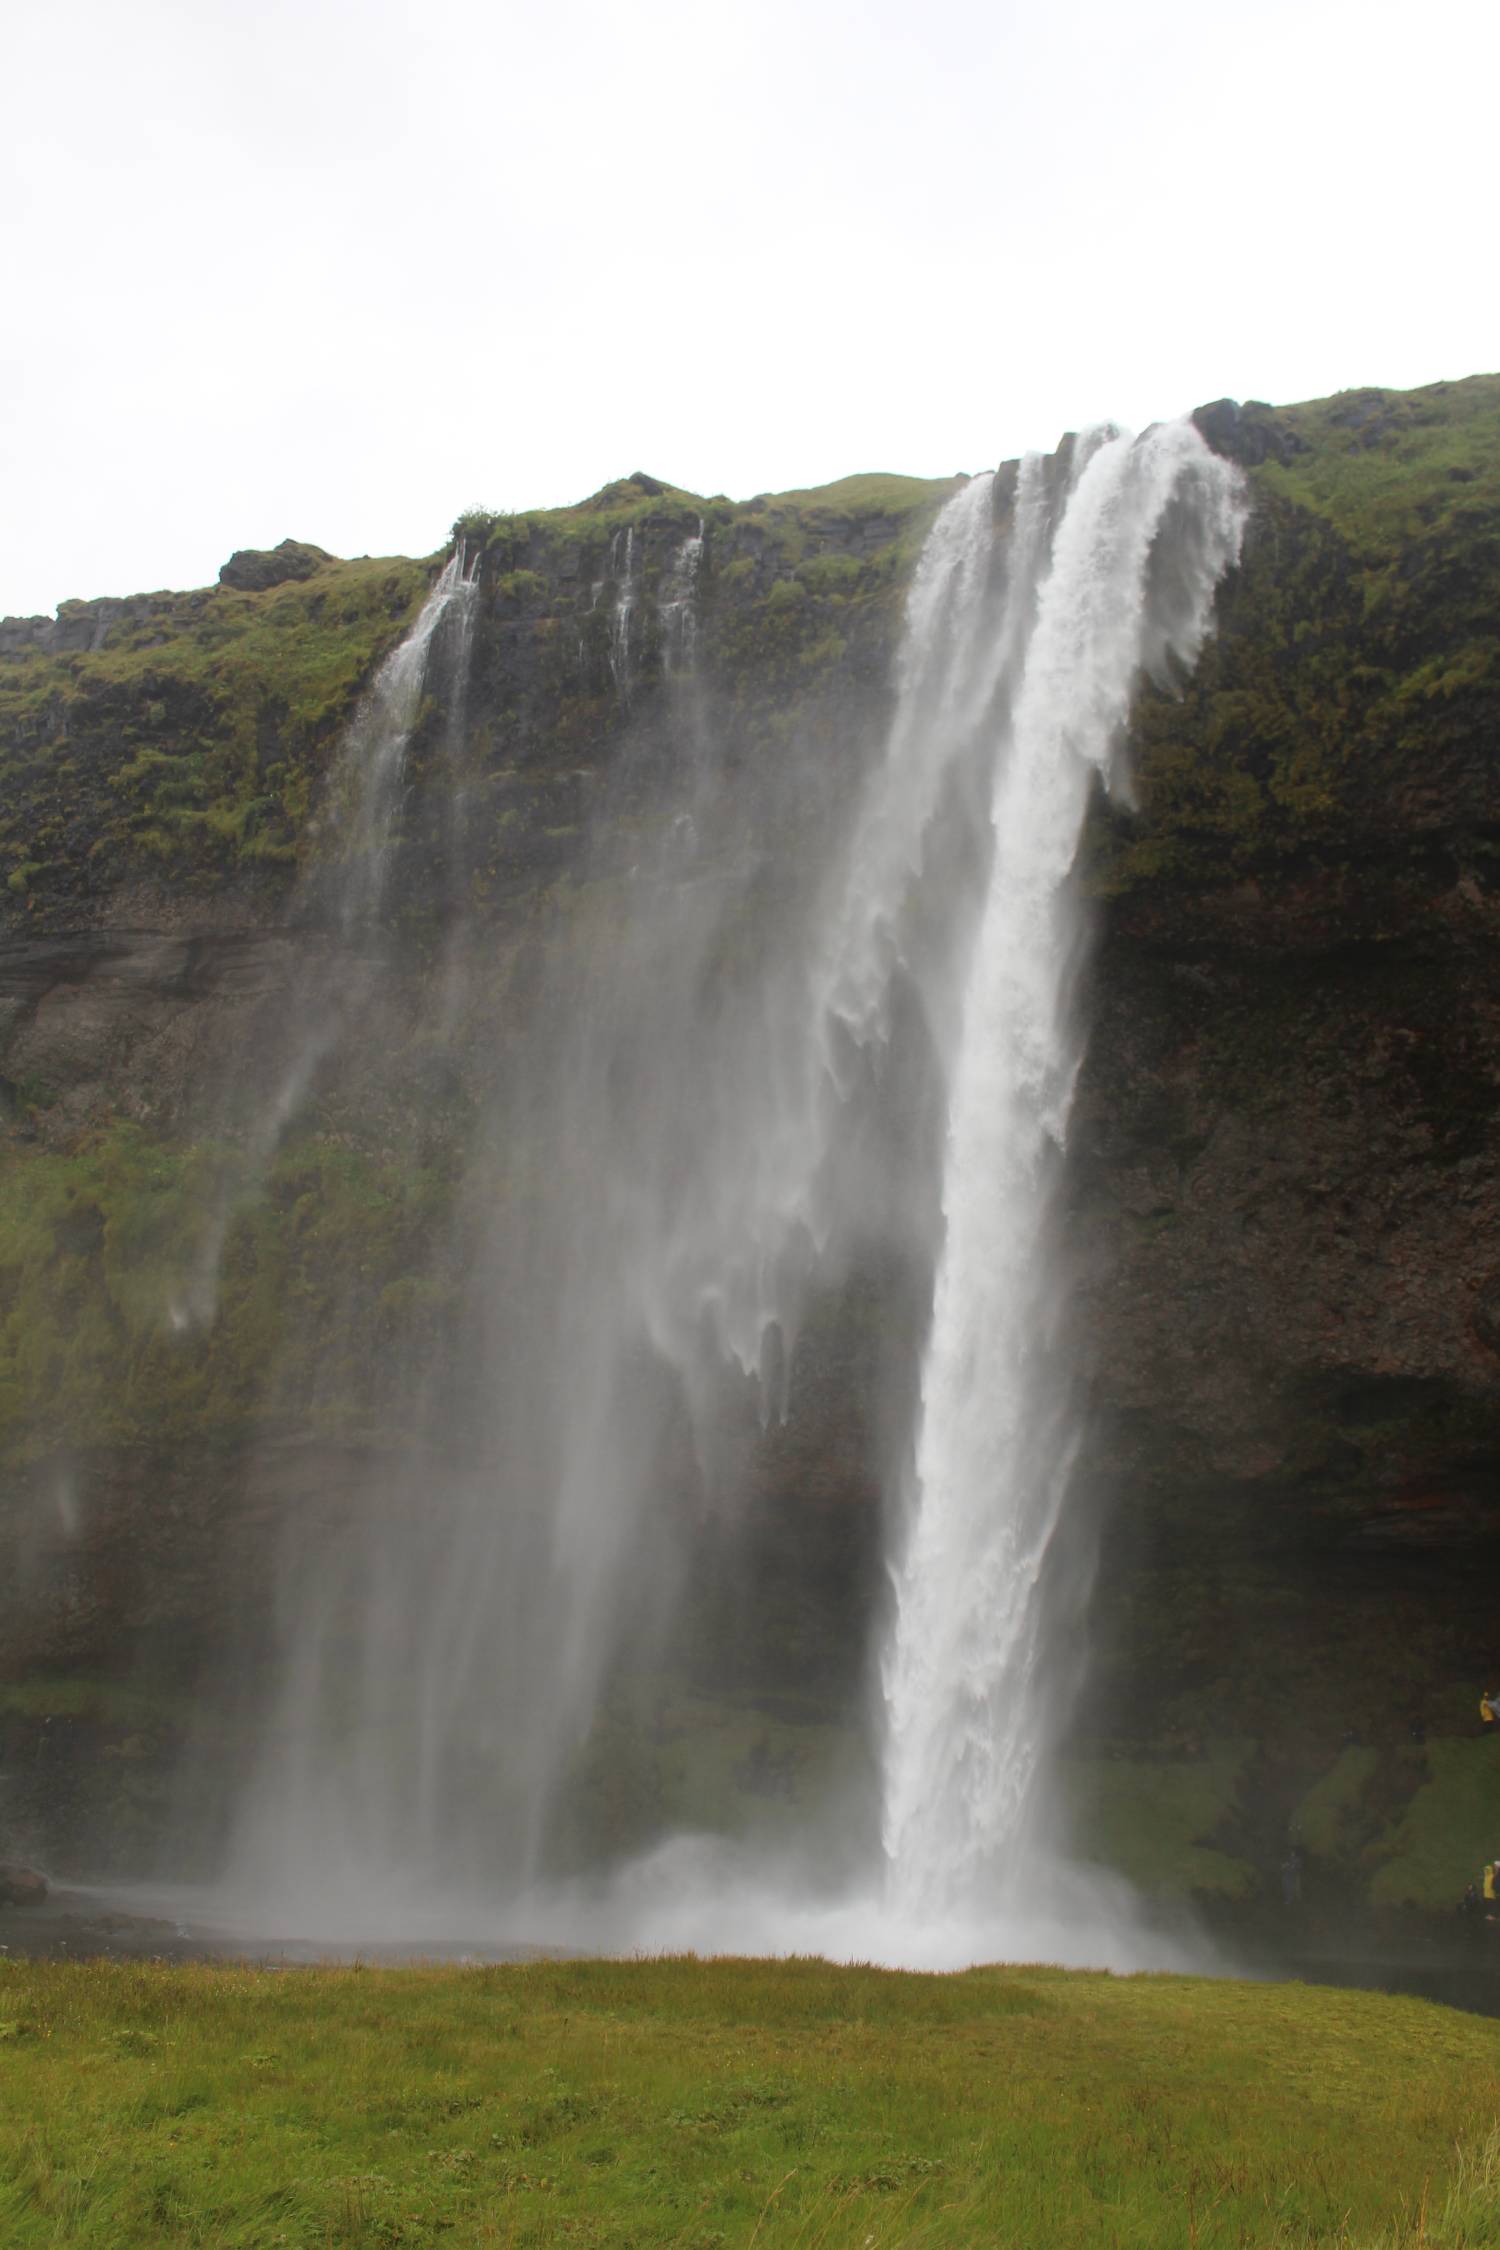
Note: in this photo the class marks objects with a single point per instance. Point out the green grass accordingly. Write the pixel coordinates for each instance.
(1329, 1814)
(1447, 1832)
(700, 2104)
(112, 1702)
(1153, 1819)
(799, 560)
(850, 497)
(1390, 467)
(193, 737)
(97, 1242)
(1355, 651)
(845, 500)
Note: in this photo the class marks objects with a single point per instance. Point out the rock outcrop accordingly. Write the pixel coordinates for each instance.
(252, 569)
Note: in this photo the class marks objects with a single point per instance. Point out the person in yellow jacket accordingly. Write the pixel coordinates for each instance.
(1489, 1708)
(1489, 1890)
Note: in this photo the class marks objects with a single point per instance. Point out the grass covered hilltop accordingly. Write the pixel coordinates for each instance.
(699, 2105)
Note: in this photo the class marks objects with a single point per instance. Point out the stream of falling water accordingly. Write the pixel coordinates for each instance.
(702, 1179)
(1021, 653)
(965, 1690)
(364, 795)
(677, 607)
(367, 782)
(625, 569)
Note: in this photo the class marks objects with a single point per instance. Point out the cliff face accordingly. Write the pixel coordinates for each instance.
(1286, 1208)
(1286, 1166)
(186, 913)
(1285, 1217)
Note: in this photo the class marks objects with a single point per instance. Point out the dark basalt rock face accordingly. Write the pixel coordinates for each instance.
(1250, 434)
(1285, 1164)
(1286, 1147)
(1287, 1137)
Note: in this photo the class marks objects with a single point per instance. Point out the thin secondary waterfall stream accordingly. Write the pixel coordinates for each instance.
(805, 1033)
(347, 887)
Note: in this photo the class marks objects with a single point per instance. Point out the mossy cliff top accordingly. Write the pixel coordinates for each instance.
(176, 739)
(826, 512)
(169, 732)
(1349, 702)
(1347, 698)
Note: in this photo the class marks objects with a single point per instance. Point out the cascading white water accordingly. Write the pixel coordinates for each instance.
(1020, 654)
(1026, 631)
(677, 608)
(966, 1715)
(689, 1165)
(367, 781)
(364, 795)
(676, 1160)
(623, 569)
(737, 1246)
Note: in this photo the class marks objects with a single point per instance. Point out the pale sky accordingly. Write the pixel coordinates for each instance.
(307, 268)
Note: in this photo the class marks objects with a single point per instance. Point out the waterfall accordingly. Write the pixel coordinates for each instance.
(677, 608)
(623, 569)
(347, 891)
(1031, 616)
(966, 1691)
(368, 777)
(786, 1032)
(764, 1201)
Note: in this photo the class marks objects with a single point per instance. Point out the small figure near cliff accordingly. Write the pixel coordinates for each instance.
(1489, 1890)
(1489, 1708)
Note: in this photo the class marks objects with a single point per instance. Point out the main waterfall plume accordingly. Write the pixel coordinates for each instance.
(801, 1042)
(964, 1691)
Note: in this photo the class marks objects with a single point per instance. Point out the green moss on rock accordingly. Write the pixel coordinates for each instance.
(188, 738)
(253, 569)
(1448, 1831)
(1332, 1814)
(1156, 1821)
(99, 1248)
(1353, 682)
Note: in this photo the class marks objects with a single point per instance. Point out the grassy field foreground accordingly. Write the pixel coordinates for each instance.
(700, 2104)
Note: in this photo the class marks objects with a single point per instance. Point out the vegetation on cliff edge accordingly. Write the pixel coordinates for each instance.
(189, 739)
(1350, 696)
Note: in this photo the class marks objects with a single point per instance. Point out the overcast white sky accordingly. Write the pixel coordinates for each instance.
(338, 271)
